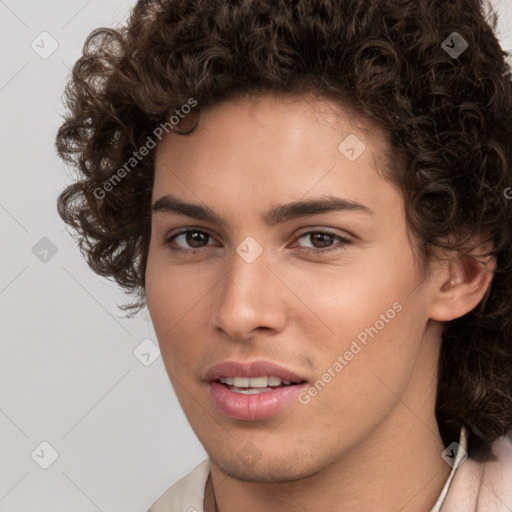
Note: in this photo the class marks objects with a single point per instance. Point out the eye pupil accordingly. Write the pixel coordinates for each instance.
(323, 237)
(194, 238)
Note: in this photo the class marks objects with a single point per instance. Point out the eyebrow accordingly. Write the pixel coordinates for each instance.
(278, 214)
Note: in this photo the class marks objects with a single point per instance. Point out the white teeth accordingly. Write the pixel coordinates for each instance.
(254, 382)
(274, 381)
(250, 391)
(258, 382)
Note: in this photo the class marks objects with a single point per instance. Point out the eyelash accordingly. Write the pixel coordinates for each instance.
(344, 241)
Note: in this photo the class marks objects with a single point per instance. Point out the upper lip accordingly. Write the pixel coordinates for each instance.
(250, 370)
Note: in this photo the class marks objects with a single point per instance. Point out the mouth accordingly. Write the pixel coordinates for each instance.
(256, 385)
(253, 391)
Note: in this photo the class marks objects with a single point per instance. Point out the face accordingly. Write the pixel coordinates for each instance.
(327, 295)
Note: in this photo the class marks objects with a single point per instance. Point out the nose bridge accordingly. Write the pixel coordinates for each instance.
(249, 297)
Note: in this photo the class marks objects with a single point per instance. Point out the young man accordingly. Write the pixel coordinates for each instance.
(312, 200)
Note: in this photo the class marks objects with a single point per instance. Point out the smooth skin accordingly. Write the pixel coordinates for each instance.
(369, 440)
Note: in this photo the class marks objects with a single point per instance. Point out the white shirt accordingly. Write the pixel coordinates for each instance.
(459, 458)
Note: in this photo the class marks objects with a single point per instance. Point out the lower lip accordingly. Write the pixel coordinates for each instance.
(253, 407)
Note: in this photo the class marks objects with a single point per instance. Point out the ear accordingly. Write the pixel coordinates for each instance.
(459, 285)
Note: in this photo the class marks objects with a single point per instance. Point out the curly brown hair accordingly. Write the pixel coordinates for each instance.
(448, 118)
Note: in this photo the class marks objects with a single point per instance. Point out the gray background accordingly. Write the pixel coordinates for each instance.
(68, 372)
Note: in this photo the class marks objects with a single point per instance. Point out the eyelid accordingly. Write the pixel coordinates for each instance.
(327, 230)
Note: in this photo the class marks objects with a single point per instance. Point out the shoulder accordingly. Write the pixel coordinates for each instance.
(483, 486)
(186, 494)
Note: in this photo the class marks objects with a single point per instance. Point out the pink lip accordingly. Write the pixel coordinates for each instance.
(253, 407)
(257, 406)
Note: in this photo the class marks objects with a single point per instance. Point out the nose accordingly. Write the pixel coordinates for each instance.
(250, 299)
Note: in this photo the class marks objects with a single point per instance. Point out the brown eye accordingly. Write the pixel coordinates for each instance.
(189, 239)
(196, 238)
(323, 241)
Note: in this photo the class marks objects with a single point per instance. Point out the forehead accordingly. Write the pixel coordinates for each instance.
(300, 121)
(274, 147)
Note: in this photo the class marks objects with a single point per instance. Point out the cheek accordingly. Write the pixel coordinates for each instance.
(378, 356)
(165, 299)
(351, 298)
(369, 377)
(176, 298)
(170, 291)
(376, 315)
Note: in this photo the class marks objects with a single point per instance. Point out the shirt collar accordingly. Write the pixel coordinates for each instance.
(461, 455)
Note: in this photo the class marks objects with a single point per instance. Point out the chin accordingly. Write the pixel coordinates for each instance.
(263, 471)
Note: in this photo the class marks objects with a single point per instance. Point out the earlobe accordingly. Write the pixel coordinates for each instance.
(461, 285)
